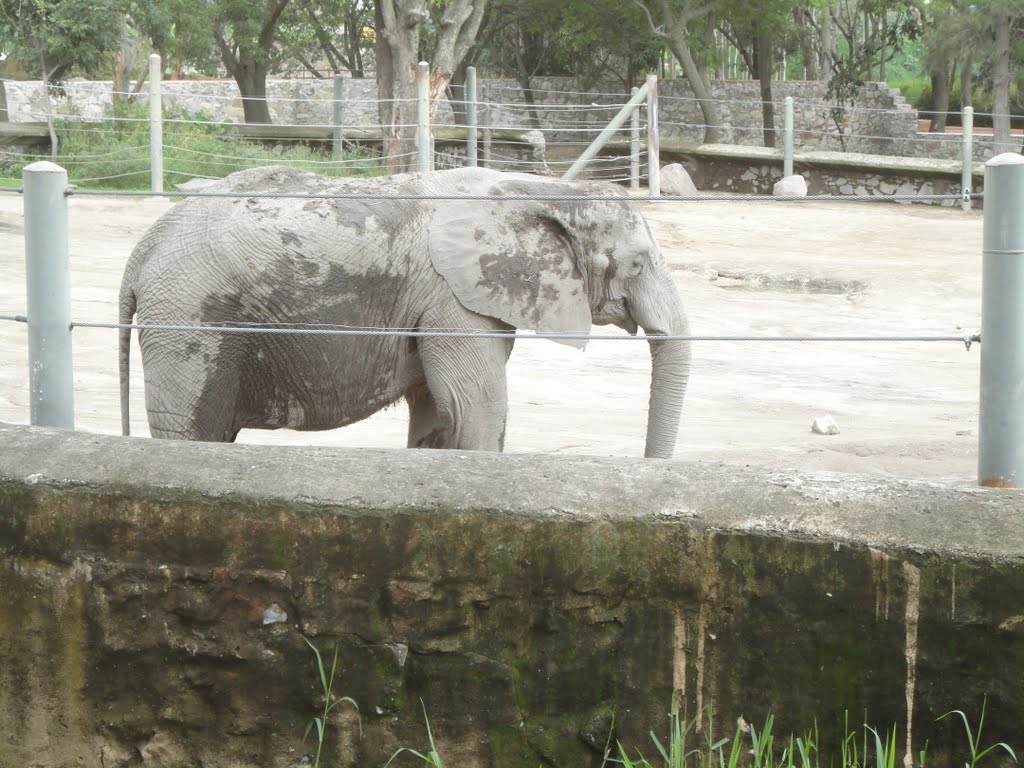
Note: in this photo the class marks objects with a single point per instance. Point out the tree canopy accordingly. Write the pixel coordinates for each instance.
(963, 48)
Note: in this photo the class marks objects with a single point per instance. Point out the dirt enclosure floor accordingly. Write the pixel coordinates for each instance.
(903, 409)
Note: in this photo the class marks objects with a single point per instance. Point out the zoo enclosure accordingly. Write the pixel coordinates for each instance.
(1001, 462)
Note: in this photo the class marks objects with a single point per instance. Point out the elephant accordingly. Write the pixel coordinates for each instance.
(463, 249)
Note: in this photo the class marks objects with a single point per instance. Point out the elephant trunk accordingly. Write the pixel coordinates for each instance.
(661, 313)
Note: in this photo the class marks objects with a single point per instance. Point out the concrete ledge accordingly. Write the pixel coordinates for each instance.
(523, 598)
(823, 159)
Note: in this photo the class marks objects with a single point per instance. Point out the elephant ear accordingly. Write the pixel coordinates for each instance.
(514, 261)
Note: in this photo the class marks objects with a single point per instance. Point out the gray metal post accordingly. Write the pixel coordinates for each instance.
(156, 126)
(470, 92)
(1001, 418)
(616, 122)
(967, 158)
(485, 137)
(48, 283)
(634, 145)
(653, 141)
(787, 139)
(338, 132)
(423, 116)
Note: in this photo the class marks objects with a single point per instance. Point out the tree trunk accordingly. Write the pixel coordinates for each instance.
(398, 25)
(967, 81)
(523, 76)
(397, 53)
(763, 65)
(803, 19)
(4, 117)
(124, 62)
(827, 45)
(1001, 88)
(940, 97)
(251, 78)
(698, 80)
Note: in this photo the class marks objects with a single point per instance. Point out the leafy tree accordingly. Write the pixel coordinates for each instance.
(52, 37)
(335, 31)
(681, 25)
(244, 31)
(241, 33)
(399, 24)
(756, 31)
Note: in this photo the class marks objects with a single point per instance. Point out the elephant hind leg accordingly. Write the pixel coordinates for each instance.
(185, 398)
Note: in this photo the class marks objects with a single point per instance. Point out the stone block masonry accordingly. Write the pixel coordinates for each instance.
(155, 596)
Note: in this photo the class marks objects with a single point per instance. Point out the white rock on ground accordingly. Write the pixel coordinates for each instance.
(825, 425)
(676, 181)
(790, 186)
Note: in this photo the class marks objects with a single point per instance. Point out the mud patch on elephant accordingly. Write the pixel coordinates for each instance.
(514, 275)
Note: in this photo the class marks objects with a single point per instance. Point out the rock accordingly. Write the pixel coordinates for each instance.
(274, 615)
(194, 185)
(825, 425)
(790, 186)
(676, 181)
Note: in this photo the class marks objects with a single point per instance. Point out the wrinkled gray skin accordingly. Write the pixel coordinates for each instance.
(423, 264)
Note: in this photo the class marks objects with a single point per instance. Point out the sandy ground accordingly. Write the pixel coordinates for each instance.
(903, 409)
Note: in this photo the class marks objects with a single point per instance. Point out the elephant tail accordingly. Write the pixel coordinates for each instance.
(126, 315)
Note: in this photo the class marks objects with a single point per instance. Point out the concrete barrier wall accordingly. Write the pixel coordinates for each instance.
(155, 594)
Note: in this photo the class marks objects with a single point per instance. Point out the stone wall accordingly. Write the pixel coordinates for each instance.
(878, 121)
(156, 595)
(755, 170)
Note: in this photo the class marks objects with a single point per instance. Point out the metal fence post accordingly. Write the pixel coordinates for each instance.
(653, 142)
(156, 126)
(967, 158)
(48, 285)
(485, 137)
(608, 132)
(423, 116)
(787, 139)
(634, 144)
(470, 93)
(1001, 417)
(338, 132)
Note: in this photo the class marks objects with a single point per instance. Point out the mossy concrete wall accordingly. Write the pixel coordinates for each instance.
(155, 595)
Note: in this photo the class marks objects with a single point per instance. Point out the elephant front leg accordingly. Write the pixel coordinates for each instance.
(464, 403)
(427, 429)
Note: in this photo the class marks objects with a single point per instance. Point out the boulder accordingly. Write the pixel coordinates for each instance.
(825, 425)
(790, 186)
(676, 181)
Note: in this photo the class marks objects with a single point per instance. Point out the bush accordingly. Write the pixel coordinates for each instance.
(114, 153)
(919, 94)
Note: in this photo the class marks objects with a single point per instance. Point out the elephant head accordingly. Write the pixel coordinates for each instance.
(560, 265)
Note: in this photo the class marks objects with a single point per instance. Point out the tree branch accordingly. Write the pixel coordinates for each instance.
(650, 20)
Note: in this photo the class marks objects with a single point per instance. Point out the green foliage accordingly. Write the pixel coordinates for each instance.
(114, 153)
(754, 747)
(432, 759)
(919, 94)
(326, 685)
(974, 738)
(52, 37)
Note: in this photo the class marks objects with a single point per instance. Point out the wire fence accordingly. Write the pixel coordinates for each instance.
(104, 144)
(300, 329)
(365, 334)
